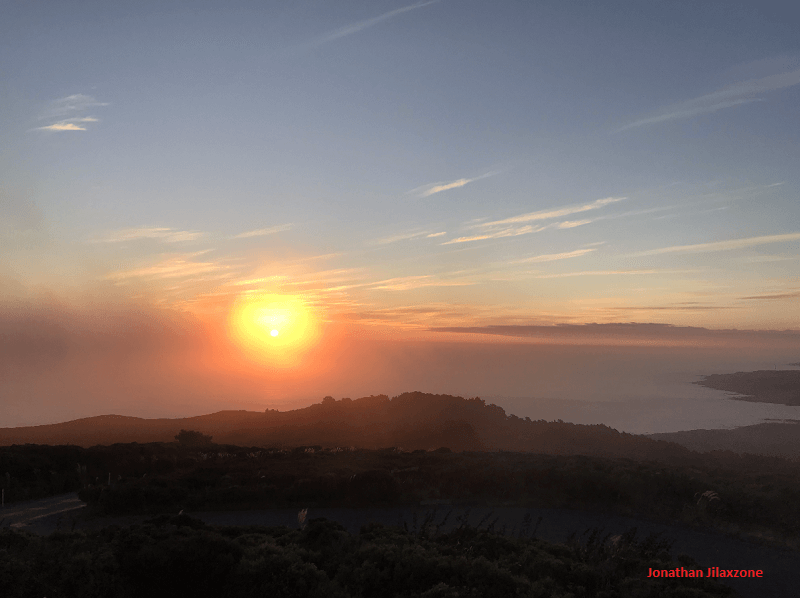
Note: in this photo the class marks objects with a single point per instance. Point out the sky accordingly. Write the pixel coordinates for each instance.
(434, 172)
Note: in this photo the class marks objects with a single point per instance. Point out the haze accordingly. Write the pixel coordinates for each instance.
(574, 208)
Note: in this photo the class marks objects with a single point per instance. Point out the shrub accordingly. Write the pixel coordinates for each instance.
(192, 438)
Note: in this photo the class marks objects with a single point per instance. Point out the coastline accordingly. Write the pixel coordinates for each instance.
(781, 387)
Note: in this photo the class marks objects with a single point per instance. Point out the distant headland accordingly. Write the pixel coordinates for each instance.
(762, 386)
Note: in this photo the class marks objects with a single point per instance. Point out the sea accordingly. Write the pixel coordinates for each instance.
(648, 396)
(635, 389)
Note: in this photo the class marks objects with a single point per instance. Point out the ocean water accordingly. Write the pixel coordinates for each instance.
(649, 398)
(642, 390)
(636, 389)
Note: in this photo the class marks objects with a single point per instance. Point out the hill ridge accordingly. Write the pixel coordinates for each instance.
(412, 420)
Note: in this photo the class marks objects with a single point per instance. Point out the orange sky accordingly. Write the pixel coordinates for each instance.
(93, 356)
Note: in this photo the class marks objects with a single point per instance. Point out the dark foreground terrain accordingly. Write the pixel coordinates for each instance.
(167, 506)
(109, 545)
(754, 497)
(556, 526)
(183, 556)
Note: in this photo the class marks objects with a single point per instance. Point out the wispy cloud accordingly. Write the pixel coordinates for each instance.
(415, 316)
(446, 187)
(773, 296)
(318, 281)
(323, 256)
(324, 278)
(515, 226)
(608, 331)
(687, 110)
(635, 213)
(406, 236)
(499, 234)
(573, 223)
(408, 283)
(366, 24)
(760, 259)
(553, 213)
(614, 273)
(431, 189)
(263, 231)
(167, 235)
(552, 257)
(181, 266)
(742, 92)
(260, 281)
(67, 106)
(70, 105)
(467, 239)
(722, 245)
(70, 124)
(674, 307)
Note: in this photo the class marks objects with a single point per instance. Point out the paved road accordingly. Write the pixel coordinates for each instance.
(781, 567)
(40, 515)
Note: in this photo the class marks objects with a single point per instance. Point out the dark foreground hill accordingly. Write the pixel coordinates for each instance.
(412, 421)
(754, 497)
(181, 556)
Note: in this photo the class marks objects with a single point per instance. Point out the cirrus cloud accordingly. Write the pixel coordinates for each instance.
(168, 235)
(65, 107)
(722, 245)
(736, 94)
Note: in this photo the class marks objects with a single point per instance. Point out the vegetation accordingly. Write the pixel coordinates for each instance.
(192, 438)
(581, 467)
(412, 420)
(755, 496)
(181, 556)
(752, 498)
(34, 471)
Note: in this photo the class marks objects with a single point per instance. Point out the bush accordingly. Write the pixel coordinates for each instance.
(192, 438)
(376, 486)
(181, 556)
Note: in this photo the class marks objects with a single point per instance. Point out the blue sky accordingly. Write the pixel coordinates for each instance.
(440, 164)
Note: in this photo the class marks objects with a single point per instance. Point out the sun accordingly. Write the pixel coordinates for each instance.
(273, 329)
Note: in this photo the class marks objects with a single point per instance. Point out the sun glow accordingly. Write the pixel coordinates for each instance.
(273, 329)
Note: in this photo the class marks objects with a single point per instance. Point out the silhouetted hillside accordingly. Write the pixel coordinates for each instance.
(777, 439)
(413, 420)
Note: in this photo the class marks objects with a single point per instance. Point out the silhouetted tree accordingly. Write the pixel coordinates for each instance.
(192, 438)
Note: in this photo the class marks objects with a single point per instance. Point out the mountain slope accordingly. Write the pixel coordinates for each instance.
(413, 420)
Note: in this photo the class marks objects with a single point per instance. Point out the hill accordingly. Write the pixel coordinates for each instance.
(776, 439)
(412, 420)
